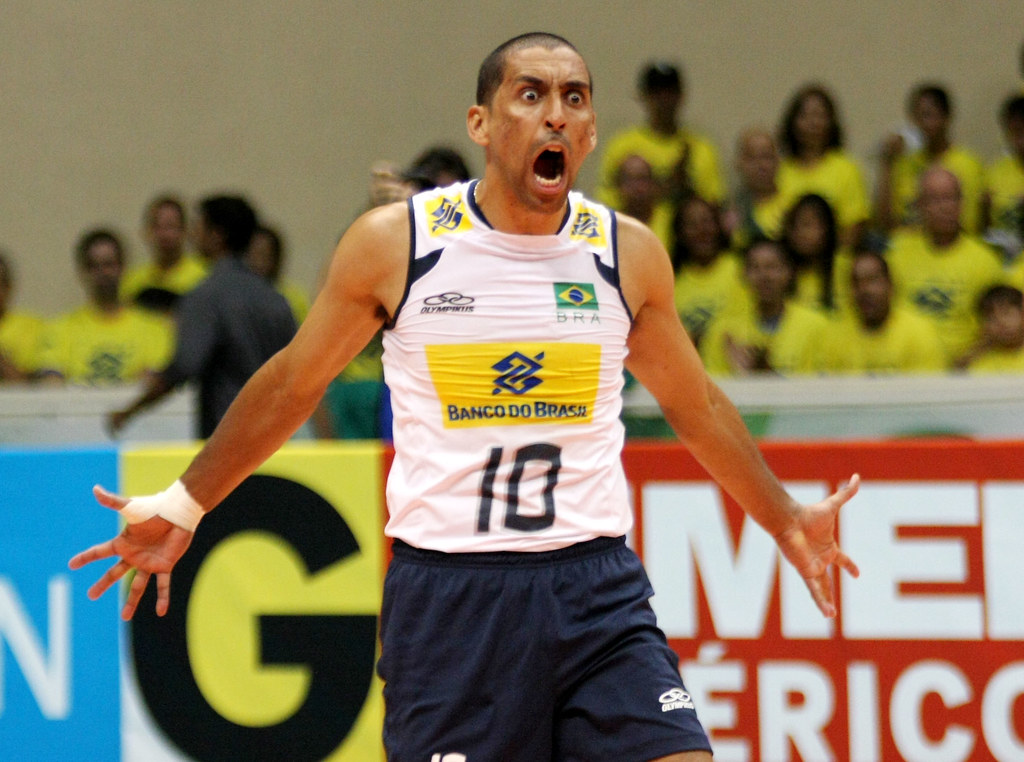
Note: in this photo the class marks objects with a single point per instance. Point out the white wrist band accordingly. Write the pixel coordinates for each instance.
(173, 504)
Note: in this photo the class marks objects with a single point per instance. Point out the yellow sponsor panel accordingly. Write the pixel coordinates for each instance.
(514, 384)
(255, 573)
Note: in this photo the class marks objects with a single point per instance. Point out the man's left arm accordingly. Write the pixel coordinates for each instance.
(664, 360)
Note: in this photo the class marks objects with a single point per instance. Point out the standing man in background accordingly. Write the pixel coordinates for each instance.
(227, 327)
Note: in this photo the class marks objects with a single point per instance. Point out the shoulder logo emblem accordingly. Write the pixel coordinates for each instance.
(588, 227)
(447, 215)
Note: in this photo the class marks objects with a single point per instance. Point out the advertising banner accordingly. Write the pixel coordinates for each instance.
(925, 659)
(59, 667)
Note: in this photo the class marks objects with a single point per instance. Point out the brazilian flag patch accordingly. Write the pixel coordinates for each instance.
(575, 296)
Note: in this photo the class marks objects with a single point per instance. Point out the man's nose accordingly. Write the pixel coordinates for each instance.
(556, 115)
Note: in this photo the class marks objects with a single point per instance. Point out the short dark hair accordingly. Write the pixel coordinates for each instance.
(1000, 294)
(233, 218)
(660, 75)
(934, 92)
(787, 133)
(1013, 108)
(492, 70)
(432, 163)
(92, 237)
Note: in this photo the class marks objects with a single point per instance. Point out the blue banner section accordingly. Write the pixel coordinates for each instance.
(59, 666)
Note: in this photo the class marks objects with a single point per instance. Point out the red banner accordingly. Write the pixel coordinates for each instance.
(925, 659)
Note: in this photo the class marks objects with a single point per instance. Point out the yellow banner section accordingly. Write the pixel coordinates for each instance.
(510, 384)
(282, 603)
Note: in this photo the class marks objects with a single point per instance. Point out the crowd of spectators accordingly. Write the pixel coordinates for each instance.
(798, 269)
(801, 269)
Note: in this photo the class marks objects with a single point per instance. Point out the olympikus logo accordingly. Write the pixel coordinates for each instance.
(675, 699)
(450, 301)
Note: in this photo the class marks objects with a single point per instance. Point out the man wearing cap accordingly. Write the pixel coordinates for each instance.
(683, 162)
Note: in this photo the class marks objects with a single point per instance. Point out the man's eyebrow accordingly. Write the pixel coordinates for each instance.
(572, 84)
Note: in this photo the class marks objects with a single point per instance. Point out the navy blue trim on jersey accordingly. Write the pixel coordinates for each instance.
(615, 259)
(507, 557)
(471, 200)
(409, 270)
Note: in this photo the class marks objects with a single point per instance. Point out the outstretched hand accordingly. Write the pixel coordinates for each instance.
(151, 547)
(810, 545)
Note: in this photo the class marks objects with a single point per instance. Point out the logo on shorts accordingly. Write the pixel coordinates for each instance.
(675, 699)
(456, 757)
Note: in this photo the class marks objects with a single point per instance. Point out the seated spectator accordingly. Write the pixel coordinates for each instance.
(171, 271)
(938, 269)
(639, 194)
(931, 112)
(811, 237)
(227, 327)
(1001, 347)
(1003, 202)
(436, 167)
(20, 332)
(778, 335)
(104, 341)
(757, 207)
(709, 276)
(265, 257)
(684, 163)
(878, 336)
(814, 161)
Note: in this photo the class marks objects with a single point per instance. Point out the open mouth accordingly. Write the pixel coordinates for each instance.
(548, 167)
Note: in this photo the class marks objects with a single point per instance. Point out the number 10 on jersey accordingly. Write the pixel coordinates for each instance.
(550, 458)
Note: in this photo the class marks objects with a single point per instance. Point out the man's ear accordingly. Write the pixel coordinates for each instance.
(477, 124)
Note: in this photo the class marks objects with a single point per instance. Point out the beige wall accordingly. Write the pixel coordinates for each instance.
(106, 102)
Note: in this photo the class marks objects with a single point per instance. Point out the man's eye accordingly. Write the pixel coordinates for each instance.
(575, 99)
(530, 95)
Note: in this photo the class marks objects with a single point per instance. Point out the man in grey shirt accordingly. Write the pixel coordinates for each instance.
(227, 327)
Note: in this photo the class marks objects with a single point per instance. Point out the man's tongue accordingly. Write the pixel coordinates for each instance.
(548, 167)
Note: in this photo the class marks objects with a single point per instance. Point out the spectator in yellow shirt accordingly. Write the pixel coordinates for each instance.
(931, 111)
(171, 271)
(778, 335)
(683, 161)
(1003, 202)
(815, 161)
(878, 336)
(757, 207)
(104, 341)
(938, 269)
(19, 332)
(709, 276)
(1001, 347)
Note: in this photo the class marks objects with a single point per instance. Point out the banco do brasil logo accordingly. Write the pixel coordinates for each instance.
(518, 373)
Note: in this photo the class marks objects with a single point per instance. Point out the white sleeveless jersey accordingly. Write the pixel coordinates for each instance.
(505, 363)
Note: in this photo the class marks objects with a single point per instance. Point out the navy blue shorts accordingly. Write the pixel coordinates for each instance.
(529, 656)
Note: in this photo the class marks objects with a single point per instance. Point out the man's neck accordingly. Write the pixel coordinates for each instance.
(507, 214)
